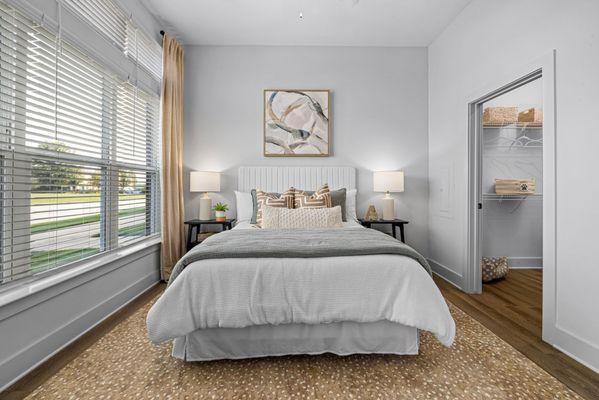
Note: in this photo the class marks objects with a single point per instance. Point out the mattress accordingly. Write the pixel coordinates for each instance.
(341, 338)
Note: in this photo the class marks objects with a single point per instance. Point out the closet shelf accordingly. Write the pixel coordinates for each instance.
(522, 141)
(507, 146)
(517, 197)
(516, 125)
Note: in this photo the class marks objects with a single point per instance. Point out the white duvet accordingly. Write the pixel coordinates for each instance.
(236, 293)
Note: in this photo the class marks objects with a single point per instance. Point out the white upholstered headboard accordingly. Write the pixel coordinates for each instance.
(279, 179)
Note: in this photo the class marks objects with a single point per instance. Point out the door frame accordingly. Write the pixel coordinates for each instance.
(543, 67)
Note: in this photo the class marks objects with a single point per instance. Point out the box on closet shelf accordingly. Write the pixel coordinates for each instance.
(515, 186)
(500, 115)
(532, 115)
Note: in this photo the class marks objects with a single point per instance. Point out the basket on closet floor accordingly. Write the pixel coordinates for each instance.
(494, 268)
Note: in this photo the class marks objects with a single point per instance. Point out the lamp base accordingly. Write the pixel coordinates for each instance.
(205, 207)
(388, 207)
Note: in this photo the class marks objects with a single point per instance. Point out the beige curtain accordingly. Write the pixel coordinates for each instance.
(172, 156)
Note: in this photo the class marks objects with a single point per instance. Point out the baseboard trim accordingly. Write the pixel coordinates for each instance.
(26, 360)
(447, 274)
(525, 262)
(575, 347)
(594, 368)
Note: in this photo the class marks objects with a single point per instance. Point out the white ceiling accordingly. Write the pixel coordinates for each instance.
(324, 23)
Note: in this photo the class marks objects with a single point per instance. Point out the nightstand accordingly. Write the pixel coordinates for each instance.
(197, 225)
(393, 222)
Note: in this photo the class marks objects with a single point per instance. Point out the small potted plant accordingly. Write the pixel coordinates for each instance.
(220, 210)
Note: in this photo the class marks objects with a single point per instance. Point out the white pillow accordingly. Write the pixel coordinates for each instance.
(244, 206)
(350, 205)
(301, 218)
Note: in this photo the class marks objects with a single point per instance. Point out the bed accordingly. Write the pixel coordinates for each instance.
(259, 292)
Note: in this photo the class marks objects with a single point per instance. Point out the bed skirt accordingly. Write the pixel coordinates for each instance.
(341, 338)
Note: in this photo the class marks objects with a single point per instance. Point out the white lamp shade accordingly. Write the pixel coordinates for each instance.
(204, 181)
(388, 181)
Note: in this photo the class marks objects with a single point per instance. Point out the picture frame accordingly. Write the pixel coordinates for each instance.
(296, 123)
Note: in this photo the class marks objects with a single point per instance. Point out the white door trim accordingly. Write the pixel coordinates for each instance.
(544, 66)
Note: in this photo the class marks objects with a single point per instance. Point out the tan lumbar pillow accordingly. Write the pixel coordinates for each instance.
(301, 218)
(263, 199)
(320, 199)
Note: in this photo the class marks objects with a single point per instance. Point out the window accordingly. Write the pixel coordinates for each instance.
(112, 21)
(79, 153)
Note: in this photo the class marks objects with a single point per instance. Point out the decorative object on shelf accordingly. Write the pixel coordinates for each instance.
(219, 210)
(500, 115)
(388, 181)
(296, 123)
(204, 181)
(515, 186)
(371, 214)
(534, 115)
(493, 268)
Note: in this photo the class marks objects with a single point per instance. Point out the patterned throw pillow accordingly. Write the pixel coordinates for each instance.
(494, 268)
(319, 199)
(284, 200)
(301, 218)
(338, 198)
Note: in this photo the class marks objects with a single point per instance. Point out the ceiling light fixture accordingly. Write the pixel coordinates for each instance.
(301, 16)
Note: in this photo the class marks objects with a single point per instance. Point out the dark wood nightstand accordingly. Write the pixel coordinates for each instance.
(393, 222)
(197, 225)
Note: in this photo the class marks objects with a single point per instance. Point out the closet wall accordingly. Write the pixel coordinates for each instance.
(512, 225)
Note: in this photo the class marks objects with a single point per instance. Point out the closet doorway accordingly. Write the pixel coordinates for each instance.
(511, 179)
(512, 197)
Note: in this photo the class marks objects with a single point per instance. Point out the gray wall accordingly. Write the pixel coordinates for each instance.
(379, 116)
(34, 328)
(488, 40)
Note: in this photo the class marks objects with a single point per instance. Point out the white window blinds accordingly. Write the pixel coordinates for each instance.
(79, 153)
(104, 15)
(114, 23)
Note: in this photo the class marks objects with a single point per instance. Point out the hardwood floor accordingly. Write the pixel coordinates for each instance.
(511, 308)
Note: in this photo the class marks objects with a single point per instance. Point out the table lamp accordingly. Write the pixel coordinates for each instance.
(204, 181)
(388, 181)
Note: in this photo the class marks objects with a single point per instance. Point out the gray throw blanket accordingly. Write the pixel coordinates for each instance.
(276, 243)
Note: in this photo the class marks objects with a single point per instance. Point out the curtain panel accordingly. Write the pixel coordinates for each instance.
(172, 156)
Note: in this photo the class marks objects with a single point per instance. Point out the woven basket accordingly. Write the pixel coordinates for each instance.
(494, 268)
(500, 115)
(533, 115)
(515, 186)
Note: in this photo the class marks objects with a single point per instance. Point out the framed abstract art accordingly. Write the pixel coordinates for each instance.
(296, 123)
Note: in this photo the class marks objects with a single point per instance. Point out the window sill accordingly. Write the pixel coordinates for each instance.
(28, 288)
